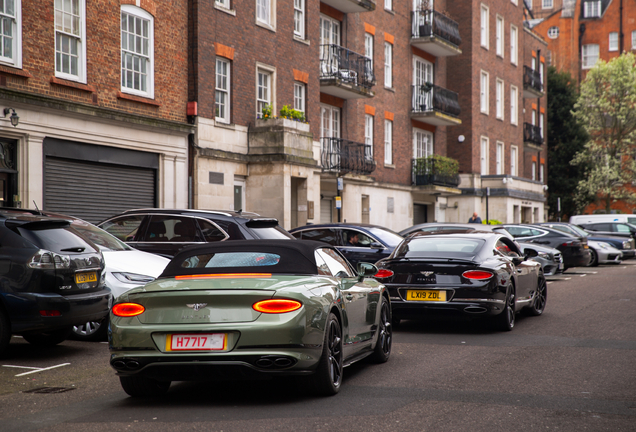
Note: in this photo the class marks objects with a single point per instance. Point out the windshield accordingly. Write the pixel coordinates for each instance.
(580, 231)
(389, 237)
(100, 237)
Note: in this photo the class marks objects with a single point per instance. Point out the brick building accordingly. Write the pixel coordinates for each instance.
(99, 90)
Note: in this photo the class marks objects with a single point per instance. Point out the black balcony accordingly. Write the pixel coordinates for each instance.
(352, 6)
(532, 86)
(343, 156)
(435, 33)
(344, 73)
(532, 134)
(435, 105)
(432, 171)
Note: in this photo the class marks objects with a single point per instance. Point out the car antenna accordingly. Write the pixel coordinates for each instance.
(36, 207)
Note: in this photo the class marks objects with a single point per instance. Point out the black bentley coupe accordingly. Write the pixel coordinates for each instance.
(476, 274)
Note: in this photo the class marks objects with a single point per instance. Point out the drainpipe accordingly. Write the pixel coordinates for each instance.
(620, 29)
(581, 33)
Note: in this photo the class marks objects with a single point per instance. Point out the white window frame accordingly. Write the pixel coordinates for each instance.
(15, 60)
(613, 41)
(514, 39)
(586, 57)
(528, 4)
(547, 4)
(79, 38)
(515, 2)
(388, 5)
(634, 39)
(223, 3)
(225, 118)
(388, 142)
(500, 158)
(499, 94)
(300, 96)
(514, 152)
(142, 14)
(299, 19)
(388, 65)
(553, 32)
(592, 9)
(423, 143)
(483, 166)
(514, 105)
(330, 121)
(499, 32)
(368, 131)
(368, 47)
(271, 97)
(266, 14)
(533, 117)
(484, 26)
(541, 178)
(534, 170)
(483, 92)
(541, 118)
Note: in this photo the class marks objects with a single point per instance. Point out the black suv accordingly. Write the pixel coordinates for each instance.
(165, 231)
(50, 279)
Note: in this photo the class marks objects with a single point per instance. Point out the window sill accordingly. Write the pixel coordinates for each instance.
(391, 89)
(143, 100)
(391, 166)
(12, 71)
(301, 40)
(391, 11)
(224, 9)
(266, 26)
(72, 84)
(224, 125)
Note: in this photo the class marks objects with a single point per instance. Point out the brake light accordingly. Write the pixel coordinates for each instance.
(384, 273)
(50, 313)
(276, 306)
(127, 310)
(44, 259)
(225, 276)
(571, 243)
(477, 275)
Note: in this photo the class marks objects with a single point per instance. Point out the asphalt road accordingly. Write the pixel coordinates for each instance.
(572, 369)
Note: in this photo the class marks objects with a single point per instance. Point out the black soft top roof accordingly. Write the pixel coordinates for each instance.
(296, 257)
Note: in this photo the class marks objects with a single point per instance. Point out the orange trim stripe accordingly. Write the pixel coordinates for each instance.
(389, 38)
(225, 276)
(369, 29)
(368, 109)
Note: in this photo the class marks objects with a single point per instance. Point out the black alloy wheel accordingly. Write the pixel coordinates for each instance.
(382, 349)
(540, 298)
(5, 332)
(505, 321)
(91, 331)
(593, 258)
(48, 339)
(328, 377)
(139, 386)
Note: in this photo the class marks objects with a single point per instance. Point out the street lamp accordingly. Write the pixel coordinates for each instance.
(14, 117)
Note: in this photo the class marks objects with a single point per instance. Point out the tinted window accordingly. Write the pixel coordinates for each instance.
(622, 228)
(431, 247)
(100, 237)
(336, 264)
(211, 233)
(631, 220)
(58, 240)
(388, 237)
(322, 234)
(231, 259)
(177, 229)
(518, 231)
(271, 233)
(599, 227)
(356, 238)
(124, 228)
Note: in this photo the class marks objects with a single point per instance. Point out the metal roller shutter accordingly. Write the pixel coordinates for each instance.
(96, 191)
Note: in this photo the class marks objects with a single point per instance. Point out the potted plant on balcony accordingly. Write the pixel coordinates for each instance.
(436, 169)
(425, 19)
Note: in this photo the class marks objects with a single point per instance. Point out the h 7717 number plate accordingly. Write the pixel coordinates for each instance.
(196, 342)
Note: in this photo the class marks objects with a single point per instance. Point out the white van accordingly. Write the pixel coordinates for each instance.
(584, 219)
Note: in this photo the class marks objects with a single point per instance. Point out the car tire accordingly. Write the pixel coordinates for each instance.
(593, 258)
(139, 386)
(48, 339)
(540, 298)
(327, 379)
(91, 331)
(505, 321)
(5, 332)
(382, 350)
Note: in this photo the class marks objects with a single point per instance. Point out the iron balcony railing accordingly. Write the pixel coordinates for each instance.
(344, 156)
(347, 66)
(428, 174)
(429, 97)
(532, 134)
(532, 79)
(429, 22)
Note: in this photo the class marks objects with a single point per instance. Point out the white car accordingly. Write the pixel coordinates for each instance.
(603, 253)
(126, 268)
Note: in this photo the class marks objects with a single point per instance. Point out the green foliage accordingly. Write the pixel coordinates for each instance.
(566, 137)
(436, 164)
(492, 222)
(292, 114)
(266, 112)
(606, 109)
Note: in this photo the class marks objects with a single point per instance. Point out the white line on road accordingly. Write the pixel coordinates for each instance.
(36, 369)
(583, 275)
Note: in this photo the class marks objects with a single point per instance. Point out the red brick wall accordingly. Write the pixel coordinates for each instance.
(103, 58)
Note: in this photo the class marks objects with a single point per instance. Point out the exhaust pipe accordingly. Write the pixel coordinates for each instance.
(475, 309)
(275, 362)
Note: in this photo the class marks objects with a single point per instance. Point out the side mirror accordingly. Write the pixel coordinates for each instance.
(376, 245)
(366, 270)
(530, 253)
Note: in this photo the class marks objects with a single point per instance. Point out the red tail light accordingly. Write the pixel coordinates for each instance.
(477, 275)
(128, 309)
(276, 306)
(384, 273)
(50, 313)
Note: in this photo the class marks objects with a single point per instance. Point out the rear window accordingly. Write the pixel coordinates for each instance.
(436, 247)
(272, 233)
(100, 237)
(231, 259)
(59, 240)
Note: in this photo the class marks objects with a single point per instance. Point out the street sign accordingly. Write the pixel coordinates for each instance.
(340, 183)
(338, 202)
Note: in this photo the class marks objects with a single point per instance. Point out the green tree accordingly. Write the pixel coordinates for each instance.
(607, 110)
(565, 138)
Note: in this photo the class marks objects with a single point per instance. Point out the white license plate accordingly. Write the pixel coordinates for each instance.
(196, 342)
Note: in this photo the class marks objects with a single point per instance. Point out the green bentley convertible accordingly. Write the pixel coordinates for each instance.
(250, 309)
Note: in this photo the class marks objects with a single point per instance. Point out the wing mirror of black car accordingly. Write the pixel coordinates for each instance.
(530, 253)
(376, 245)
(366, 270)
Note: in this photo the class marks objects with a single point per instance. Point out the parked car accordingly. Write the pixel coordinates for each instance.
(250, 308)
(357, 242)
(574, 249)
(585, 219)
(604, 249)
(551, 259)
(622, 229)
(478, 274)
(52, 279)
(166, 231)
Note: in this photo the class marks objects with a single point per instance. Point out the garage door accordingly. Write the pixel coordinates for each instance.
(94, 191)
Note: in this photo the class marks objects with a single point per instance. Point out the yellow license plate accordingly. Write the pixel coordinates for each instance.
(426, 295)
(85, 277)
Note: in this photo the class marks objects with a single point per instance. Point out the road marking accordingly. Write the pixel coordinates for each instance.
(36, 369)
(548, 283)
(583, 275)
